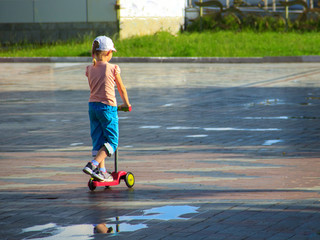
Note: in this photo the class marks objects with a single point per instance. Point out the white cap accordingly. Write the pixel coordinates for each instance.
(105, 44)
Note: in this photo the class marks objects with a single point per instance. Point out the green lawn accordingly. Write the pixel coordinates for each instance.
(206, 44)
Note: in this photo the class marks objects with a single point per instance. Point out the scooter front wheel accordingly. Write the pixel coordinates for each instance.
(129, 180)
(91, 185)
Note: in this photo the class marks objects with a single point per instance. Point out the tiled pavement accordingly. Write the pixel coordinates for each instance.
(219, 151)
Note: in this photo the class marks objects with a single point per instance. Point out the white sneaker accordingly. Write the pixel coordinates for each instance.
(103, 177)
(89, 168)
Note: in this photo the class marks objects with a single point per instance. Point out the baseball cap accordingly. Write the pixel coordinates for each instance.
(105, 44)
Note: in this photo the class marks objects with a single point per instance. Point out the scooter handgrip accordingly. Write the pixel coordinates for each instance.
(124, 109)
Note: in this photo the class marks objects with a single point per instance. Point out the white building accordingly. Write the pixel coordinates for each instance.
(141, 17)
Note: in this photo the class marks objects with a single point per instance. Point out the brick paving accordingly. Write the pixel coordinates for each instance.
(219, 151)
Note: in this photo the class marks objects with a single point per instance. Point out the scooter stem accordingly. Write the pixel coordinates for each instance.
(116, 161)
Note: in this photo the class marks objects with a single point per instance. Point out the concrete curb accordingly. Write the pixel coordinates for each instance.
(290, 59)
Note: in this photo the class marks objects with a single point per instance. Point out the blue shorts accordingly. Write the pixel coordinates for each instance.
(104, 127)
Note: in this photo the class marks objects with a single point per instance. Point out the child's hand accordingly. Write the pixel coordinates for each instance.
(125, 108)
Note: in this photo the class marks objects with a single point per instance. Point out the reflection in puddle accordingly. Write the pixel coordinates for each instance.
(266, 102)
(150, 127)
(53, 231)
(243, 129)
(40, 227)
(313, 98)
(276, 101)
(270, 142)
(281, 117)
(305, 104)
(118, 224)
(167, 105)
(164, 213)
(182, 128)
(76, 144)
(305, 117)
(268, 118)
(197, 136)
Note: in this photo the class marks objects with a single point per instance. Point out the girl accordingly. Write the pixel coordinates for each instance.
(103, 111)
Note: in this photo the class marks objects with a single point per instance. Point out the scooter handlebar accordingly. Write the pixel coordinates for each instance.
(124, 109)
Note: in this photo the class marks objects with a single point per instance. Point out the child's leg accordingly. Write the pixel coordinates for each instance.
(110, 127)
(101, 156)
(102, 165)
(104, 130)
(102, 174)
(96, 130)
(105, 133)
(97, 137)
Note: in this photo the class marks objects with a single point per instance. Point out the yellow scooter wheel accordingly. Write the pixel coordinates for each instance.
(129, 180)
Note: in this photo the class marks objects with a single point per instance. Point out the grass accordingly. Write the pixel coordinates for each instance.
(206, 44)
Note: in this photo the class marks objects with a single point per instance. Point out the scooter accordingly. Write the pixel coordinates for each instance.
(128, 177)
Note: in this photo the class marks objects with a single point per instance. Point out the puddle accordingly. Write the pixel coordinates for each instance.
(164, 213)
(18, 100)
(243, 129)
(53, 231)
(127, 223)
(313, 98)
(55, 120)
(305, 104)
(214, 129)
(281, 118)
(182, 128)
(40, 227)
(197, 136)
(305, 117)
(266, 102)
(167, 105)
(271, 142)
(76, 144)
(267, 118)
(274, 101)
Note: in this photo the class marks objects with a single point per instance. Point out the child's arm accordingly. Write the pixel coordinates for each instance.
(122, 91)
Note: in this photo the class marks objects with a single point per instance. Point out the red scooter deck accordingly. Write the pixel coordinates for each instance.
(128, 177)
(116, 179)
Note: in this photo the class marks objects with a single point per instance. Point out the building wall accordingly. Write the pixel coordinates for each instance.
(51, 20)
(141, 17)
(56, 11)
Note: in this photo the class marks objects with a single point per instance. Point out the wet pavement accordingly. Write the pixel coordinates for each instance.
(219, 151)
